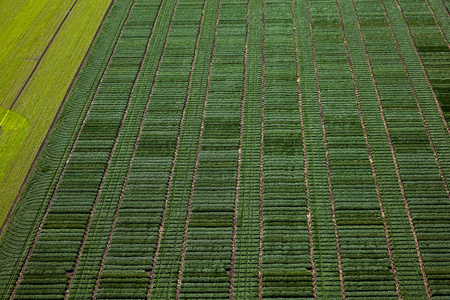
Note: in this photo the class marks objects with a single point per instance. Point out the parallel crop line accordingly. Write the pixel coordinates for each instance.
(391, 145)
(169, 183)
(261, 157)
(116, 214)
(30, 252)
(427, 287)
(199, 143)
(238, 175)
(305, 161)
(77, 261)
(69, 89)
(161, 228)
(42, 55)
(369, 151)
(436, 158)
(437, 24)
(422, 64)
(330, 188)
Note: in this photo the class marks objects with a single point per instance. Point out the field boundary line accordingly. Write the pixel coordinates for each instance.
(116, 214)
(94, 205)
(71, 151)
(305, 160)
(330, 187)
(437, 23)
(391, 145)
(261, 157)
(436, 158)
(421, 64)
(238, 175)
(445, 7)
(199, 143)
(43, 54)
(369, 152)
(52, 125)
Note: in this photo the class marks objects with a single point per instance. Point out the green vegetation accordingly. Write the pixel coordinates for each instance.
(25, 30)
(14, 129)
(42, 96)
(269, 149)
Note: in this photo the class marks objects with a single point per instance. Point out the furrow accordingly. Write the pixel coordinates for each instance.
(437, 24)
(369, 151)
(425, 124)
(169, 184)
(77, 261)
(67, 161)
(132, 156)
(239, 163)
(333, 210)
(42, 55)
(199, 143)
(305, 160)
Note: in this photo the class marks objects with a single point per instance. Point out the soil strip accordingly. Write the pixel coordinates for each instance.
(239, 163)
(436, 158)
(261, 159)
(437, 24)
(391, 145)
(445, 7)
(72, 149)
(305, 160)
(421, 63)
(94, 205)
(369, 151)
(116, 214)
(199, 144)
(330, 187)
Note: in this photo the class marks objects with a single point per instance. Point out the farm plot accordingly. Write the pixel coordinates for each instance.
(244, 150)
(43, 45)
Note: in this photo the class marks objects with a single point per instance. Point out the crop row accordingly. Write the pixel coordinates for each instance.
(268, 149)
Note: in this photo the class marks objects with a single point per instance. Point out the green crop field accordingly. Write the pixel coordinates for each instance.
(43, 44)
(232, 149)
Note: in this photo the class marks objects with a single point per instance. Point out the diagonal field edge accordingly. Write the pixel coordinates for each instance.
(71, 151)
(69, 89)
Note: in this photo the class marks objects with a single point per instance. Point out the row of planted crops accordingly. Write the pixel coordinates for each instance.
(230, 149)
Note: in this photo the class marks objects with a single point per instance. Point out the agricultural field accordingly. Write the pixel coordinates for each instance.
(43, 44)
(259, 149)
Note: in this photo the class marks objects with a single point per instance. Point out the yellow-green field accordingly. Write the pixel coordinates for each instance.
(26, 31)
